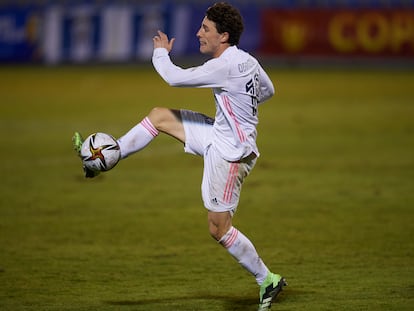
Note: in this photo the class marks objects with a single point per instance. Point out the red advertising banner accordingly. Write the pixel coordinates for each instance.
(373, 32)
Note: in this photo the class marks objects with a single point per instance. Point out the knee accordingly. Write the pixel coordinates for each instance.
(219, 224)
(158, 116)
(164, 119)
(217, 232)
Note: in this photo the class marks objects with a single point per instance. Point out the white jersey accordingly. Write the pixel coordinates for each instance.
(239, 85)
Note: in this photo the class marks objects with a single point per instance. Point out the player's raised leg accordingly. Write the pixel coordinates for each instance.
(158, 120)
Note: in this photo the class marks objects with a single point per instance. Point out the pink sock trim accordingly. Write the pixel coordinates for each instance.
(230, 237)
(149, 127)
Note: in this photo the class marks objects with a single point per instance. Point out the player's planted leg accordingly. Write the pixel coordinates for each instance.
(242, 249)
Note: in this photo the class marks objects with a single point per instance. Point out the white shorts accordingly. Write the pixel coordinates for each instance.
(222, 180)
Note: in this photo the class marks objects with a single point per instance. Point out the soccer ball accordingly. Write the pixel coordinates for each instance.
(100, 152)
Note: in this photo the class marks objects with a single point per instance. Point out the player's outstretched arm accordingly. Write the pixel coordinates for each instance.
(213, 76)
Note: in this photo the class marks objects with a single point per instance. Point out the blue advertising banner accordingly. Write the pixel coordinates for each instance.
(85, 31)
(20, 35)
(112, 33)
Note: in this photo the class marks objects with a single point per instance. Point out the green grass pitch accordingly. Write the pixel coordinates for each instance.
(330, 204)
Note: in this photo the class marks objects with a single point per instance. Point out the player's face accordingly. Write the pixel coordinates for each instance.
(211, 42)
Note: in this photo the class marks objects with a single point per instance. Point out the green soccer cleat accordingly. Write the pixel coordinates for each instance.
(77, 141)
(270, 288)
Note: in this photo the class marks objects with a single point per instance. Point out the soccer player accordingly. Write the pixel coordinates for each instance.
(228, 142)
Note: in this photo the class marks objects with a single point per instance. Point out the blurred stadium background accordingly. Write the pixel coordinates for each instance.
(333, 187)
(108, 31)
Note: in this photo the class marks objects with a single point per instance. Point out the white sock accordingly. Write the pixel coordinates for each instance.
(137, 138)
(240, 247)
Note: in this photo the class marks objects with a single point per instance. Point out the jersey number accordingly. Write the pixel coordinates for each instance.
(252, 87)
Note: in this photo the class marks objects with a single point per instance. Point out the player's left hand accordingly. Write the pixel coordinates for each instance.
(162, 41)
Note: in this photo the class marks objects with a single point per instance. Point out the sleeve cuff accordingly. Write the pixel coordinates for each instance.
(160, 52)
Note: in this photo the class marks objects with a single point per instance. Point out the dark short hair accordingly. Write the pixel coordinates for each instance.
(227, 19)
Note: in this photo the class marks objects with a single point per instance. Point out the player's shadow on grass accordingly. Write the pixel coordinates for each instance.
(230, 303)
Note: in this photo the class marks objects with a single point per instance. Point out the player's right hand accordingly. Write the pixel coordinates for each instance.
(161, 41)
